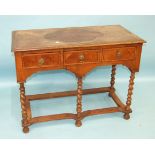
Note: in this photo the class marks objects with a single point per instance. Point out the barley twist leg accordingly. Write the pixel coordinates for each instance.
(129, 96)
(25, 122)
(112, 82)
(79, 102)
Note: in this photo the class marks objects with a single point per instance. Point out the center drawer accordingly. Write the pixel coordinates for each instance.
(81, 57)
(41, 60)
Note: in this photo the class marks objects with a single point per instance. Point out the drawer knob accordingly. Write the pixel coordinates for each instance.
(41, 61)
(118, 54)
(81, 57)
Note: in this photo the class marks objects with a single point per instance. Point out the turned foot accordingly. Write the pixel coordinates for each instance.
(126, 116)
(26, 129)
(78, 123)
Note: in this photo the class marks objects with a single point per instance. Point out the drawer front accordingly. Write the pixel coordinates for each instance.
(81, 57)
(115, 54)
(41, 60)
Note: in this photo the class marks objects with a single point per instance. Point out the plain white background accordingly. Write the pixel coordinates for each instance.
(77, 146)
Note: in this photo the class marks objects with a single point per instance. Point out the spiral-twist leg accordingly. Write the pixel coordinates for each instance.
(129, 98)
(112, 82)
(79, 102)
(25, 122)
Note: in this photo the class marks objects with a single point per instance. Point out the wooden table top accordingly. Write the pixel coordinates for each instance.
(54, 38)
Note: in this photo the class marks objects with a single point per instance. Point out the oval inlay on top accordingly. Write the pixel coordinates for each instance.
(72, 35)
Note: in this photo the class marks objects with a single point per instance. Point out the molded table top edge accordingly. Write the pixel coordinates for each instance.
(72, 37)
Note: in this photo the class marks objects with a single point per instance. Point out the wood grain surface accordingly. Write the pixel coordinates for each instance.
(54, 38)
(78, 50)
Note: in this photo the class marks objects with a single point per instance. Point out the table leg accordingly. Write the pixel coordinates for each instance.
(129, 98)
(112, 82)
(25, 122)
(79, 102)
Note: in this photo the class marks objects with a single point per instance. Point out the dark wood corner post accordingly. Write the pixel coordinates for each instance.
(79, 102)
(25, 122)
(112, 82)
(129, 96)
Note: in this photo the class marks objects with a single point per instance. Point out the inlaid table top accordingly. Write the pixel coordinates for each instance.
(53, 38)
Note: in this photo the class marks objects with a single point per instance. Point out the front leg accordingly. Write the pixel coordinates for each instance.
(112, 82)
(25, 122)
(79, 102)
(129, 98)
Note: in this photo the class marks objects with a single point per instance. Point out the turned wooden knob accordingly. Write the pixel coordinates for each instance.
(81, 57)
(118, 54)
(41, 61)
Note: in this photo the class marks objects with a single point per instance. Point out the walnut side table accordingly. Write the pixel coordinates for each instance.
(78, 50)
